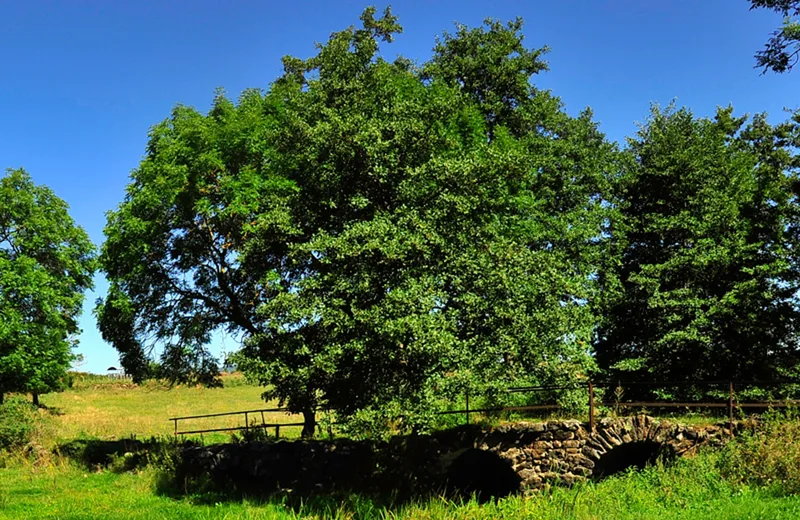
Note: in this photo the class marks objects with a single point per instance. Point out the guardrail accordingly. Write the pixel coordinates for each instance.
(247, 425)
(731, 403)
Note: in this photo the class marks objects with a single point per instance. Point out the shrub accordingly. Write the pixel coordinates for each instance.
(17, 423)
(766, 456)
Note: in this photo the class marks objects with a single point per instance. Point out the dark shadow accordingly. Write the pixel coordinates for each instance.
(636, 455)
(133, 453)
(484, 474)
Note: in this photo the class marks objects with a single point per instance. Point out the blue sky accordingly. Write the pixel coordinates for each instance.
(81, 82)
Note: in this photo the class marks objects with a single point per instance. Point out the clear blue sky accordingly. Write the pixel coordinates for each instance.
(82, 81)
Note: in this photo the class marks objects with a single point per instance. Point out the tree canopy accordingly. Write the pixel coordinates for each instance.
(378, 233)
(382, 235)
(782, 50)
(705, 277)
(46, 265)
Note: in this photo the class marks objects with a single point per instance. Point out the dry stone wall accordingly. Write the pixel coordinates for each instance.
(567, 451)
(493, 462)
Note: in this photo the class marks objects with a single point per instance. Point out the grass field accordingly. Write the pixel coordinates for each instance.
(49, 486)
(691, 489)
(99, 407)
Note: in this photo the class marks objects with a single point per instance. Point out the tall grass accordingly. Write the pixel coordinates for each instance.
(690, 489)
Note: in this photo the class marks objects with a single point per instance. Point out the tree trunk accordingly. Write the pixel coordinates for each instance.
(309, 423)
(35, 399)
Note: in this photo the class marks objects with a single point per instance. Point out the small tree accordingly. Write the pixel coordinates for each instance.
(46, 264)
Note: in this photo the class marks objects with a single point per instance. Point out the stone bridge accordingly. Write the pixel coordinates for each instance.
(490, 462)
(564, 452)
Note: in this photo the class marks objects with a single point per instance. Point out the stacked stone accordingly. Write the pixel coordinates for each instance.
(565, 452)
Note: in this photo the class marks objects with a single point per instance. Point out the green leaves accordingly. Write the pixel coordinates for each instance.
(379, 235)
(782, 50)
(46, 264)
(706, 278)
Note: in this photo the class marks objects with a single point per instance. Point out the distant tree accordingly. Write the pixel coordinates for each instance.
(46, 265)
(704, 281)
(782, 50)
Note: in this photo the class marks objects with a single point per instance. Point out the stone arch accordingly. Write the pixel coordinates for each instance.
(482, 473)
(564, 452)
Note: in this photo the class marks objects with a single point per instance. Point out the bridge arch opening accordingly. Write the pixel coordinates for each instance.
(482, 473)
(636, 455)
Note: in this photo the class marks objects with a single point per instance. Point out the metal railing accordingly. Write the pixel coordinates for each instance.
(247, 424)
(731, 403)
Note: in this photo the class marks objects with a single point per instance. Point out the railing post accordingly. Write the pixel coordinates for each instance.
(730, 408)
(176, 427)
(467, 407)
(591, 407)
(277, 430)
(263, 422)
(246, 421)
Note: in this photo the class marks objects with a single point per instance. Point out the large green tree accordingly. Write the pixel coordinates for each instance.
(380, 234)
(704, 280)
(782, 50)
(46, 265)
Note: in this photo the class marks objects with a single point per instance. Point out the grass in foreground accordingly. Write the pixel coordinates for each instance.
(690, 489)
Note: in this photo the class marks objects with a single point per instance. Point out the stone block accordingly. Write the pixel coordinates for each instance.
(563, 435)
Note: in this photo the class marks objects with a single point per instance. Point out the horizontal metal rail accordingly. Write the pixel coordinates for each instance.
(731, 403)
(277, 427)
(264, 410)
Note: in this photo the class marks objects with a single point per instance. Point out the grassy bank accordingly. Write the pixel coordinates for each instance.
(690, 489)
(756, 477)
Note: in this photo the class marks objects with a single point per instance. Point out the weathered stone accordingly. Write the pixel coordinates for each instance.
(512, 454)
(571, 444)
(563, 435)
(581, 460)
(582, 471)
(536, 453)
(590, 452)
(542, 445)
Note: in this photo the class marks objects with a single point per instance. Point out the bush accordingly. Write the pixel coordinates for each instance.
(766, 456)
(17, 423)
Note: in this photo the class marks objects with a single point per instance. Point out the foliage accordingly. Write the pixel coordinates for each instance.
(17, 423)
(46, 264)
(380, 235)
(767, 456)
(782, 50)
(704, 275)
(457, 249)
